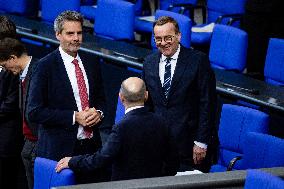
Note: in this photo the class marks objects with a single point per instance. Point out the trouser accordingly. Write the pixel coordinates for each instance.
(28, 156)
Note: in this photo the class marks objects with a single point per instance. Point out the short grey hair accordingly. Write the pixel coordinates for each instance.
(133, 96)
(66, 16)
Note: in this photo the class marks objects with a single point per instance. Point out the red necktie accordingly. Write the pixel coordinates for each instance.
(82, 93)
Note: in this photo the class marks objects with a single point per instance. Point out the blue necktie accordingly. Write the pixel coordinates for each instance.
(167, 77)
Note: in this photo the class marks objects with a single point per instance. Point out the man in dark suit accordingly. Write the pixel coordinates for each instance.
(11, 139)
(14, 57)
(139, 146)
(181, 88)
(66, 96)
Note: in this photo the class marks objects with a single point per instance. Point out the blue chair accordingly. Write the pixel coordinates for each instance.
(45, 176)
(120, 111)
(115, 20)
(228, 49)
(89, 11)
(50, 9)
(184, 26)
(28, 8)
(235, 123)
(261, 180)
(274, 63)
(220, 12)
(262, 151)
(166, 5)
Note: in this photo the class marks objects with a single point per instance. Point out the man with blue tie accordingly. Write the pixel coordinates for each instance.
(182, 88)
(67, 97)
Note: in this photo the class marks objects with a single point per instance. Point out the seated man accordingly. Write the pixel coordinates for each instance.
(139, 146)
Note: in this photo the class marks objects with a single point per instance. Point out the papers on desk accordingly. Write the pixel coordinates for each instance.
(207, 28)
(147, 18)
(188, 173)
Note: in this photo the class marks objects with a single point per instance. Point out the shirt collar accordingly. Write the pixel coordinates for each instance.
(66, 57)
(174, 57)
(25, 71)
(132, 108)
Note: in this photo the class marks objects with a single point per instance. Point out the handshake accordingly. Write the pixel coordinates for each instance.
(88, 117)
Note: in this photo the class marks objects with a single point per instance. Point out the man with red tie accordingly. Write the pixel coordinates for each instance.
(67, 97)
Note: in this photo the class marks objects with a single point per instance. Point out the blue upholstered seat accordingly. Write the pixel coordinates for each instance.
(50, 9)
(261, 180)
(235, 123)
(115, 20)
(274, 63)
(45, 176)
(228, 49)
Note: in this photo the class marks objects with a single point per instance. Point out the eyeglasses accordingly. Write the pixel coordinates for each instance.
(167, 39)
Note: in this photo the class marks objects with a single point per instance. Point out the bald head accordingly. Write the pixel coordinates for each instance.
(133, 91)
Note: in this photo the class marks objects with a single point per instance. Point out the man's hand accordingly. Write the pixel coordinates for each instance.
(93, 116)
(62, 164)
(80, 117)
(198, 154)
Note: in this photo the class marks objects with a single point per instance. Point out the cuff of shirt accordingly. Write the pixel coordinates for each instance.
(73, 123)
(201, 145)
(102, 113)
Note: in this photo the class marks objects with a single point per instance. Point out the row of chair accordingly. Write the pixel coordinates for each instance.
(243, 135)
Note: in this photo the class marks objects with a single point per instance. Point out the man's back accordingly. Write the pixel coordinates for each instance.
(145, 147)
(138, 147)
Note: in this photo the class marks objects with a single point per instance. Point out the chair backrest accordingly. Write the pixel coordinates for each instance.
(50, 9)
(262, 151)
(261, 180)
(235, 123)
(165, 4)
(45, 176)
(215, 8)
(22, 7)
(120, 111)
(115, 20)
(228, 49)
(184, 23)
(274, 63)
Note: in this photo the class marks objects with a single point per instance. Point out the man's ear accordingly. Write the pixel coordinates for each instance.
(146, 96)
(121, 97)
(58, 35)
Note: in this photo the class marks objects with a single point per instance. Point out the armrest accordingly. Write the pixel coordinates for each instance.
(233, 18)
(233, 162)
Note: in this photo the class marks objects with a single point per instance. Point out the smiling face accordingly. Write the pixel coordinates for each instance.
(167, 39)
(70, 37)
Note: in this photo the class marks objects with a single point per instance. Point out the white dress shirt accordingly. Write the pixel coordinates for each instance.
(162, 65)
(25, 71)
(70, 69)
(132, 108)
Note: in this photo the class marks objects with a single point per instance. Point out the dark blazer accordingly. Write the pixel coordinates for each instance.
(51, 104)
(189, 109)
(139, 146)
(11, 139)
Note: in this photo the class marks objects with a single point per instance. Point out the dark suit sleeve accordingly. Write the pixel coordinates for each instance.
(207, 100)
(38, 110)
(9, 102)
(102, 157)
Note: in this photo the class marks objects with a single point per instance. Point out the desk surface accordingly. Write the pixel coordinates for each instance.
(268, 96)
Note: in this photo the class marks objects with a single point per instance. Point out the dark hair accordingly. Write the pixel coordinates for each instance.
(7, 28)
(66, 16)
(9, 47)
(164, 20)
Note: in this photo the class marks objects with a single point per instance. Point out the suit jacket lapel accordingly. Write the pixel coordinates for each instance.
(63, 77)
(156, 62)
(182, 62)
